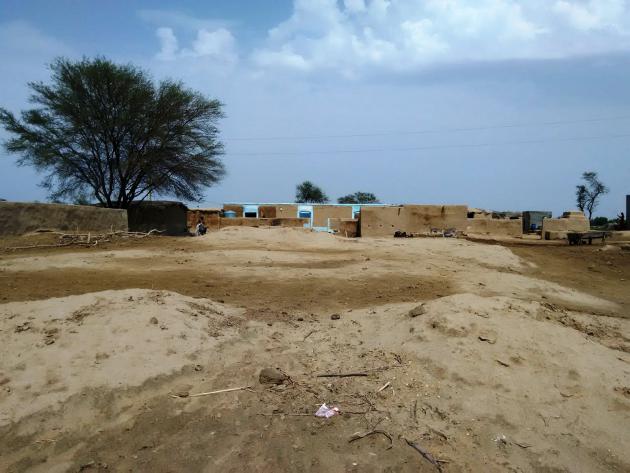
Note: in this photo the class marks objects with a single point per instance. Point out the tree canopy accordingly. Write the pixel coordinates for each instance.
(358, 198)
(307, 192)
(107, 132)
(587, 195)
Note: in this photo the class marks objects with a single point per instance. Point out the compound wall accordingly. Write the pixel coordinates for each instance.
(557, 228)
(348, 227)
(495, 227)
(321, 213)
(18, 218)
(263, 222)
(210, 218)
(379, 221)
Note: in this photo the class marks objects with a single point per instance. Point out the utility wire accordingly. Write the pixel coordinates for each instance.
(430, 147)
(430, 131)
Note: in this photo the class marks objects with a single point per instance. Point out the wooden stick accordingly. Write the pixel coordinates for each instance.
(220, 391)
(340, 375)
(384, 386)
(372, 432)
(309, 334)
(426, 455)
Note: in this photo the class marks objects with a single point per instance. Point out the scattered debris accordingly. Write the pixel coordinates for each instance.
(327, 412)
(87, 239)
(23, 327)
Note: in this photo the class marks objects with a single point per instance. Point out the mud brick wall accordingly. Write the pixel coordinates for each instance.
(18, 218)
(348, 227)
(495, 226)
(210, 218)
(321, 213)
(377, 221)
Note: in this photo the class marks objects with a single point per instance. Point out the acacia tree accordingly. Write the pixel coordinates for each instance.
(307, 192)
(358, 198)
(588, 194)
(107, 132)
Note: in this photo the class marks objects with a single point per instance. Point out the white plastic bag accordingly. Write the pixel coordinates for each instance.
(327, 412)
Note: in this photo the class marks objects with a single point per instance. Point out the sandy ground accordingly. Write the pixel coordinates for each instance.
(494, 357)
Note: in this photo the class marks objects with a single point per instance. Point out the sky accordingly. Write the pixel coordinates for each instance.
(498, 104)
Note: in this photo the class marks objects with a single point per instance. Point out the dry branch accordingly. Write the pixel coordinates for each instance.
(372, 432)
(426, 455)
(220, 391)
(86, 239)
(340, 375)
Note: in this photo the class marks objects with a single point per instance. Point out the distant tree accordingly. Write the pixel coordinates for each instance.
(600, 221)
(307, 192)
(358, 198)
(107, 132)
(588, 194)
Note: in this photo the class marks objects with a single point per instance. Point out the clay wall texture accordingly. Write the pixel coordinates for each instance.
(210, 218)
(18, 218)
(263, 222)
(347, 227)
(286, 211)
(267, 211)
(495, 226)
(321, 213)
(557, 228)
(384, 221)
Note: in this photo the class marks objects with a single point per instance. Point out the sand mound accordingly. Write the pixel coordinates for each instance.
(52, 349)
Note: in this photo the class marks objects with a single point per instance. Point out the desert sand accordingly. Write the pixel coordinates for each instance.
(490, 357)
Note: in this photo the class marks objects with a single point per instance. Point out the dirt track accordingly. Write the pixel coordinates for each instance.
(518, 359)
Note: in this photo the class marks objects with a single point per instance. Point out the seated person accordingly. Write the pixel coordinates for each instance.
(201, 228)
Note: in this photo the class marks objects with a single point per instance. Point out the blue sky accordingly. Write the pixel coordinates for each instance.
(500, 104)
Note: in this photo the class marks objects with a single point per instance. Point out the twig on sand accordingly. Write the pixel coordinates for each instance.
(213, 392)
(372, 432)
(383, 387)
(502, 363)
(340, 375)
(309, 334)
(426, 455)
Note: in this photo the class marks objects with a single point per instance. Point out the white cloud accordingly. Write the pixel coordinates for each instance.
(592, 15)
(168, 44)
(356, 36)
(178, 19)
(218, 45)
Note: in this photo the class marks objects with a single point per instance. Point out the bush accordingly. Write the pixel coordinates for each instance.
(600, 221)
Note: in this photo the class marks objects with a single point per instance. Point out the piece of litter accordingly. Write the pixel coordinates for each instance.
(327, 412)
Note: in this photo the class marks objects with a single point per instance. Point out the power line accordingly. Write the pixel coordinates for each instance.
(430, 131)
(431, 147)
